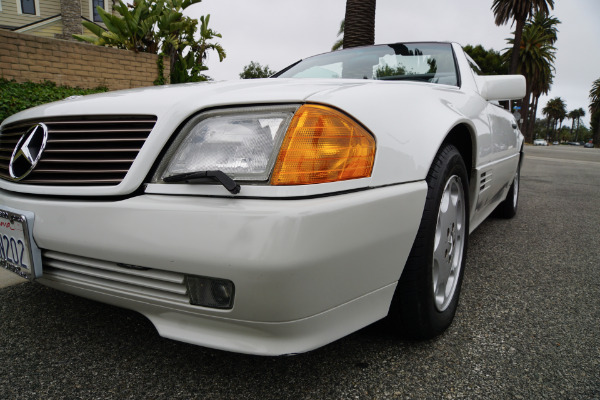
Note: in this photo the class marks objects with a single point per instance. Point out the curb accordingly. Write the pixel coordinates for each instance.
(8, 278)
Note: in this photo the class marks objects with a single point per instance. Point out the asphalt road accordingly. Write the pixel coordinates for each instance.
(528, 324)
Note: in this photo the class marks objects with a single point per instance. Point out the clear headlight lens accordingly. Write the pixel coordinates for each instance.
(242, 143)
(300, 145)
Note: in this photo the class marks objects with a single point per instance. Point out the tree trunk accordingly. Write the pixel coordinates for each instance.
(559, 130)
(525, 114)
(572, 123)
(514, 59)
(595, 135)
(359, 25)
(533, 114)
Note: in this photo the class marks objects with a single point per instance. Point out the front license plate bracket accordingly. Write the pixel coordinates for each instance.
(18, 251)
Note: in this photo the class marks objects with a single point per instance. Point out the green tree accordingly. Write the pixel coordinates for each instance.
(189, 67)
(536, 63)
(556, 110)
(595, 111)
(359, 25)
(489, 61)
(386, 70)
(575, 116)
(159, 26)
(572, 115)
(546, 111)
(254, 70)
(545, 74)
(340, 42)
(518, 11)
(541, 127)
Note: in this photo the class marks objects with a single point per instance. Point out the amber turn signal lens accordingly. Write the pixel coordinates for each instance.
(323, 145)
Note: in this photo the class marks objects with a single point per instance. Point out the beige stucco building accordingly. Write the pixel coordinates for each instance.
(50, 18)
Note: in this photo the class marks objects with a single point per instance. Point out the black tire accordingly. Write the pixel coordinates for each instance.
(508, 208)
(421, 309)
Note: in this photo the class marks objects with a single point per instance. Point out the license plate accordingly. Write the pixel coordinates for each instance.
(18, 252)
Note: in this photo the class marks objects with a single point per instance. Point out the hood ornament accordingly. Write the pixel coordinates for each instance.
(28, 152)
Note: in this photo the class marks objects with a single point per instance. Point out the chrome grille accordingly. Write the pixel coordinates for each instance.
(88, 151)
(157, 284)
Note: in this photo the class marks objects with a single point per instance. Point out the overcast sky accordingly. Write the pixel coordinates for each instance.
(279, 32)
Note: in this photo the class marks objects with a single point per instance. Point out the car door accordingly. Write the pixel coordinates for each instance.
(505, 148)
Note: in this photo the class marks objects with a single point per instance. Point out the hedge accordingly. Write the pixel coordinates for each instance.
(15, 97)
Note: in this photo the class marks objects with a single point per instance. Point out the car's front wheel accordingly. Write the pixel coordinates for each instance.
(427, 294)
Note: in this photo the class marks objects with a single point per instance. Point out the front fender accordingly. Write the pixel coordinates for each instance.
(410, 121)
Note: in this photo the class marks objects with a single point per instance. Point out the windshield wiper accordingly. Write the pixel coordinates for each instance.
(206, 176)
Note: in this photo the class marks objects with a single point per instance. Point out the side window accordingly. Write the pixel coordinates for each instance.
(28, 6)
(95, 4)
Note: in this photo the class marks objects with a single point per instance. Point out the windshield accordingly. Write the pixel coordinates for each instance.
(426, 62)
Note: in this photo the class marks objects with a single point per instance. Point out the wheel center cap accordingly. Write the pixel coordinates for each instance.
(451, 241)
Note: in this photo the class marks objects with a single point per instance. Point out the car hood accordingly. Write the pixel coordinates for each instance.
(173, 105)
(177, 102)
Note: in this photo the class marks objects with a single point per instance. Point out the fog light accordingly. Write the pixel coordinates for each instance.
(210, 292)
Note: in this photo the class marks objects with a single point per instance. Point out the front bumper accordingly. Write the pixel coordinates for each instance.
(306, 271)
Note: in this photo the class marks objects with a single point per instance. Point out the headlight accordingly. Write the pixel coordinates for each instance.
(242, 143)
(298, 145)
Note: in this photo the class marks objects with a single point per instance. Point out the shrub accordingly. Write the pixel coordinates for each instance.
(15, 97)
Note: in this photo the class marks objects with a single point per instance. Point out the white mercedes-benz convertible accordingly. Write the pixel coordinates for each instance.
(268, 216)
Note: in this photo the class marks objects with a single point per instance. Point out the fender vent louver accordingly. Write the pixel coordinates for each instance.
(485, 181)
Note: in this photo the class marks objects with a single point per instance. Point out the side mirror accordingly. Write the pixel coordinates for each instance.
(501, 87)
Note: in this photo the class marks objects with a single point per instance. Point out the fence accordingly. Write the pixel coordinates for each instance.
(31, 58)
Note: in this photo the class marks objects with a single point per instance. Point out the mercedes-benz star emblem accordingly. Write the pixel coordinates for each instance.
(28, 152)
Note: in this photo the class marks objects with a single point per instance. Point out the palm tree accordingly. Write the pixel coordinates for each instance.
(595, 97)
(191, 66)
(548, 24)
(535, 62)
(539, 86)
(547, 111)
(545, 76)
(556, 109)
(595, 110)
(339, 44)
(519, 11)
(562, 114)
(359, 29)
(572, 115)
(576, 115)
(160, 27)
(131, 28)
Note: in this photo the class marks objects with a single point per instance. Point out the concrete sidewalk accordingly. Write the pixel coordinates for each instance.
(7, 278)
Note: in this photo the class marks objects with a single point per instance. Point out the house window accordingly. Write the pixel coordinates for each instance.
(28, 7)
(97, 3)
